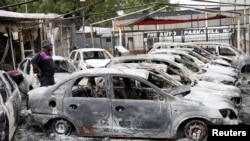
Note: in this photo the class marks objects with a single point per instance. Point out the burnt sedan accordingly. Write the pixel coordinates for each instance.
(116, 102)
(10, 104)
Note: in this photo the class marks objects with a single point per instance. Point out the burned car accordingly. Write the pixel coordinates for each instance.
(186, 77)
(209, 96)
(190, 56)
(10, 105)
(63, 67)
(179, 65)
(243, 67)
(224, 50)
(107, 102)
(206, 54)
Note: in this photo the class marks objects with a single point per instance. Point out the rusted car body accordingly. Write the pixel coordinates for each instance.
(10, 106)
(125, 105)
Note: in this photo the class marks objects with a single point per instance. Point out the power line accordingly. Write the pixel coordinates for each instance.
(17, 4)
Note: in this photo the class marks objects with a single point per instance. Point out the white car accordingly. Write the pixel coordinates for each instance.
(209, 57)
(224, 50)
(84, 58)
(63, 67)
(189, 56)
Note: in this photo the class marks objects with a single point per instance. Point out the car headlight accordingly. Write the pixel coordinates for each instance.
(228, 113)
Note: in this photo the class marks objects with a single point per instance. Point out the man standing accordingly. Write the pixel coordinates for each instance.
(44, 65)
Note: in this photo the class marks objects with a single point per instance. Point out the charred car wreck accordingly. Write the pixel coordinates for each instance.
(116, 102)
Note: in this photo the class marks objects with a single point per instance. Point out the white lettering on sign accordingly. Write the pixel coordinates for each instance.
(167, 34)
(201, 31)
(153, 34)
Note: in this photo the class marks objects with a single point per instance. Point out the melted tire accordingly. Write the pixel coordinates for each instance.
(62, 127)
(196, 130)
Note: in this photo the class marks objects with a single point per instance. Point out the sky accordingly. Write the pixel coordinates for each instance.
(207, 3)
(193, 2)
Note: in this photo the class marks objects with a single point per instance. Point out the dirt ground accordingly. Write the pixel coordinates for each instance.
(30, 133)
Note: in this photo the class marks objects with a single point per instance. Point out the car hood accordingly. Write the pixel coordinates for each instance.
(210, 99)
(222, 69)
(216, 77)
(221, 62)
(218, 86)
(206, 98)
(95, 63)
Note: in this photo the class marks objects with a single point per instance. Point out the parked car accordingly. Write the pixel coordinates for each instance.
(10, 104)
(190, 56)
(84, 58)
(63, 67)
(224, 50)
(172, 86)
(168, 60)
(121, 97)
(206, 55)
(186, 77)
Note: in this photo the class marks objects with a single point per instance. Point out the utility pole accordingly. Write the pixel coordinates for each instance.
(83, 25)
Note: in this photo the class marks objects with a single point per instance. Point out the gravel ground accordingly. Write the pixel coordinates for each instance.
(31, 133)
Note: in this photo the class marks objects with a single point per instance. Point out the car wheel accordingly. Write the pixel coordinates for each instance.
(62, 126)
(196, 130)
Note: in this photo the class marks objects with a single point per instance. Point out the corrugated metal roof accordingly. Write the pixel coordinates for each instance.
(28, 16)
(161, 14)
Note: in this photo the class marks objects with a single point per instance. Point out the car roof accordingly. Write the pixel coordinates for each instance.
(142, 56)
(89, 49)
(118, 71)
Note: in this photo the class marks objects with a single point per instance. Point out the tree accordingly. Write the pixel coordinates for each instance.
(94, 10)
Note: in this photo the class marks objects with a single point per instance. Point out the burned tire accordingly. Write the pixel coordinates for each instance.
(61, 126)
(196, 130)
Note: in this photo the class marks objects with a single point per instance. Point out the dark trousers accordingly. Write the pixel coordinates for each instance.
(47, 80)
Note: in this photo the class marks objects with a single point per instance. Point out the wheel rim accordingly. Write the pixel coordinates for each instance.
(61, 126)
(196, 130)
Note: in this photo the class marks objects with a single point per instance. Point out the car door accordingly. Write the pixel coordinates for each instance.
(75, 56)
(24, 85)
(90, 111)
(139, 111)
(11, 101)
